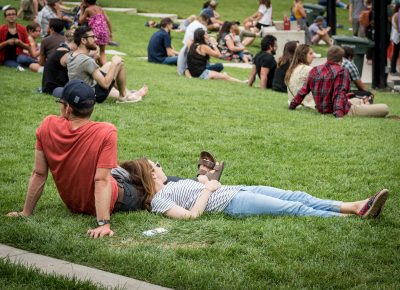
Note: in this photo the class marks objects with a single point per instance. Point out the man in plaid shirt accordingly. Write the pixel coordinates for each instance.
(355, 76)
(330, 84)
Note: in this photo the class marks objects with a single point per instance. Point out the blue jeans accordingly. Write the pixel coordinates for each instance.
(22, 60)
(218, 67)
(170, 60)
(259, 200)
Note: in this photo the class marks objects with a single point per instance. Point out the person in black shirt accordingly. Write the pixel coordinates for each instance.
(55, 73)
(278, 83)
(199, 54)
(264, 63)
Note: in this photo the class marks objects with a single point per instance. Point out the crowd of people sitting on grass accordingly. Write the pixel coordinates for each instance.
(76, 71)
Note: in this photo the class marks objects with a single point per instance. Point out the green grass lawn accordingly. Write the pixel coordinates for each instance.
(262, 143)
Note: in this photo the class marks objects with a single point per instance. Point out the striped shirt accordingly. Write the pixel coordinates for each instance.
(185, 193)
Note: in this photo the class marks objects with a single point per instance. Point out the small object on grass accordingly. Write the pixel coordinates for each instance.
(113, 43)
(154, 232)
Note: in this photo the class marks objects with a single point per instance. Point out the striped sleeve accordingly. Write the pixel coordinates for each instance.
(161, 204)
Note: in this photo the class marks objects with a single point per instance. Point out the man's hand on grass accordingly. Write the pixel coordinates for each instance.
(16, 214)
(100, 232)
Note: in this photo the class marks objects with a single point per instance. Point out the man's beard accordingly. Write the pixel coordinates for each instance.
(91, 46)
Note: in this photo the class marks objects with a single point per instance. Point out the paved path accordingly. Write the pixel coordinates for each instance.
(114, 9)
(64, 268)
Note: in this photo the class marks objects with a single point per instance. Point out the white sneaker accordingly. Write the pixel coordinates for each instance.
(317, 55)
(20, 68)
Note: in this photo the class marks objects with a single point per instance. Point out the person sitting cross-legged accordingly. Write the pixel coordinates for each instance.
(160, 49)
(13, 40)
(330, 84)
(82, 66)
(188, 199)
(317, 32)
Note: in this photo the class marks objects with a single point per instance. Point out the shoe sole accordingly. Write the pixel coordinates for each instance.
(129, 101)
(377, 205)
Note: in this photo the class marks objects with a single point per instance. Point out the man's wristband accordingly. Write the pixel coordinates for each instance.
(103, 222)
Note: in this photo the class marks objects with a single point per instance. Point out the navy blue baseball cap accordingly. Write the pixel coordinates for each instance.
(76, 93)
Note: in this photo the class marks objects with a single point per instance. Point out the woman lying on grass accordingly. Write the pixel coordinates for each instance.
(189, 199)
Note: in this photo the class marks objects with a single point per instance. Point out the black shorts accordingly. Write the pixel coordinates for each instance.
(260, 25)
(131, 200)
(101, 93)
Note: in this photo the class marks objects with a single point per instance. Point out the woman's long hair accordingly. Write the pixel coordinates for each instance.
(299, 57)
(288, 52)
(198, 36)
(225, 29)
(140, 171)
(267, 3)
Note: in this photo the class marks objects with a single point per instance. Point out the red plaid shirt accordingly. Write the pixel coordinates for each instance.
(329, 84)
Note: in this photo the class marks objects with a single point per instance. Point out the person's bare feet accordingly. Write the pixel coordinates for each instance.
(143, 91)
(137, 96)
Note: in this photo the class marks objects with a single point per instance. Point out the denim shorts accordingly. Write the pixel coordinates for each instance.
(204, 74)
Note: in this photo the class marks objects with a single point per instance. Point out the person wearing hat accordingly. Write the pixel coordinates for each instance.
(317, 32)
(209, 9)
(159, 49)
(80, 154)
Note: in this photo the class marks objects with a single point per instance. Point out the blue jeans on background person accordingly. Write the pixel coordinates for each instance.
(22, 60)
(259, 200)
(215, 67)
(171, 60)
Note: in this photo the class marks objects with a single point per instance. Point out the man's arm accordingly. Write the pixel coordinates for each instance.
(341, 86)
(360, 85)
(171, 52)
(252, 76)
(298, 99)
(105, 81)
(42, 55)
(264, 77)
(102, 195)
(36, 185)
